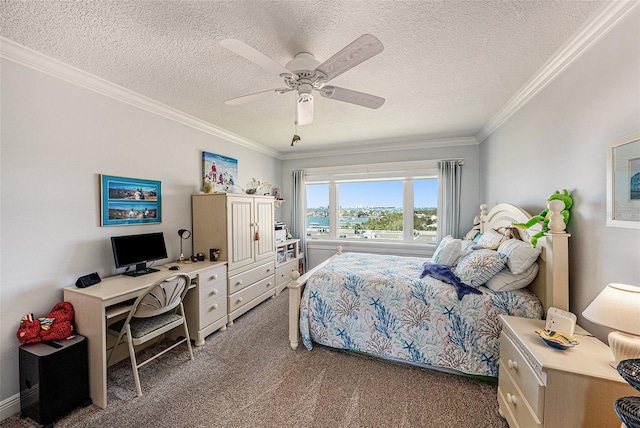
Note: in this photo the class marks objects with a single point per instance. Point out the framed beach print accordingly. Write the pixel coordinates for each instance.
(623, 182)
(127, 201)
(219, 173)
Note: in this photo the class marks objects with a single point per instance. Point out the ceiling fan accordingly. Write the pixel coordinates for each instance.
(304, 75)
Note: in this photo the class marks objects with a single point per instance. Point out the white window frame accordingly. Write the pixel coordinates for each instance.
(400, 171)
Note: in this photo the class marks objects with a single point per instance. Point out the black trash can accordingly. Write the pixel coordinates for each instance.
(54, 378)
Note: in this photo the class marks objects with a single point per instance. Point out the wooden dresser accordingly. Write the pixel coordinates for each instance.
(241, 227)
(540, 386)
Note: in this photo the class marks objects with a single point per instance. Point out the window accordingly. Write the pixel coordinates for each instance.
(389, 209)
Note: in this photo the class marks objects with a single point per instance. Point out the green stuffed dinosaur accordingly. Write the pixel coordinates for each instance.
(543, 217)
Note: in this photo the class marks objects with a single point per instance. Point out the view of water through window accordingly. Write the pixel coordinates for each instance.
(373, 210)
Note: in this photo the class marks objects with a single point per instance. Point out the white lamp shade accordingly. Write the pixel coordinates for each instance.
(616, 307)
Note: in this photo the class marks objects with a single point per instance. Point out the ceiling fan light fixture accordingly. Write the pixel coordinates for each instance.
(304, 109)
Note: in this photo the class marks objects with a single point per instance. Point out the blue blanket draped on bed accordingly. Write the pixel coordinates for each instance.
(379, 305)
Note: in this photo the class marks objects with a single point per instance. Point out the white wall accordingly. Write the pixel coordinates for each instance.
(559, 140)
(56, 138)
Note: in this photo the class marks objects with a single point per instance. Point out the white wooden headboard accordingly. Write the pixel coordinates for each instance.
(552, 282)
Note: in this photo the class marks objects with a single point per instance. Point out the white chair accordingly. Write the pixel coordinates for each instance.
(158, 310)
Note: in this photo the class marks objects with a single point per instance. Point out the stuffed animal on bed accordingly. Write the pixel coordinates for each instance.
(444, 274)
(544, 216)
(57, 325)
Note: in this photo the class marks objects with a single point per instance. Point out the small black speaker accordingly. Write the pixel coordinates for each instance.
(88, 280)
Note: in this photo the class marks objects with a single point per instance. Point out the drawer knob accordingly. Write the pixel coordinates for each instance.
(268, 270)
(214, 277)
(513, 365)
(239, 300)
(215, 306)
(512, 399)
(213, 292)
(239, 283)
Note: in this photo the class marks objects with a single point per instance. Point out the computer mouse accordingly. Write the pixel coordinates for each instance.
(174, 268)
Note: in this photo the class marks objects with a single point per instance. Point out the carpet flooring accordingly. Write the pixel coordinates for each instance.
(248, 376)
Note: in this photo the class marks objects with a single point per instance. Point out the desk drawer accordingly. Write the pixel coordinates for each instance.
(208, 278)
(213, 290)
(238, 299)
(522, 374)
(244, 279)
(212, 311)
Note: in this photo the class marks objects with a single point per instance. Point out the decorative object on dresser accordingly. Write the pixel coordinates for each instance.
(241, 227)
(540, 386)
(370, 303)
(618, 307)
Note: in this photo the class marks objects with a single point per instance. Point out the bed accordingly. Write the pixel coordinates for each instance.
(379, 305)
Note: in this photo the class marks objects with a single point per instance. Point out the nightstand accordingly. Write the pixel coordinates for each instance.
(540, 386)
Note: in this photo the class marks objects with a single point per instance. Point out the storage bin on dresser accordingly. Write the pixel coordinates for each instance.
(241, 227)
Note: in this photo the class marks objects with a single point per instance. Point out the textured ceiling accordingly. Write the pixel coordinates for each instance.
(447, 68)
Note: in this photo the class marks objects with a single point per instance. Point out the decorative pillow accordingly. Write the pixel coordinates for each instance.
(448, 251)
(471, 234)
(490, 238)
(477, 267)
(467, 245)
(505, 280)
(520, 255)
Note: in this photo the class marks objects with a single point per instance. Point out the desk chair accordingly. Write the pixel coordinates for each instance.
(158, 310)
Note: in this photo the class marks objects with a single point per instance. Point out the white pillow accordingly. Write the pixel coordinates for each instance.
(505, 280)
(520, 255)
(448, 251)
(478, 266)
(490, 238)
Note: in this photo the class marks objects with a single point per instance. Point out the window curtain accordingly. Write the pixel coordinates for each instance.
(449, 174)
(299, 212)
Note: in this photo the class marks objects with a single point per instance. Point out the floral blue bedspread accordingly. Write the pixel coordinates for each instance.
(379, 305)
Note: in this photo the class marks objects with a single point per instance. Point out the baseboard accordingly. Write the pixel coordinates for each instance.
(9, 407)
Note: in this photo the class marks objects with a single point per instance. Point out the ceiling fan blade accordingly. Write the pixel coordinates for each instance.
(358, 51)
(353, 97)
(304, 111)
(255, 97)
(246, 51)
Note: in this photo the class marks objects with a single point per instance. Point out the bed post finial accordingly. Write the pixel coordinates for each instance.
(556, 220)
(483, 216)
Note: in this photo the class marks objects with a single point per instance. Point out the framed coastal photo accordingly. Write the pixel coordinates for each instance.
(127, 201)
(219, 173)
(623, 182)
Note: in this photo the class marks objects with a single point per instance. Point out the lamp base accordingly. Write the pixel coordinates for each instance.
(624, 347)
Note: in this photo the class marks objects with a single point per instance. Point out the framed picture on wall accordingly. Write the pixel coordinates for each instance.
(623, 182)
(219, 173)
(127, 201)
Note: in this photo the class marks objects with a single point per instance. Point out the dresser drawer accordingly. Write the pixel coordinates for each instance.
(511, 399)
(238, 299)
(522, 374)
(283, 273)
(212, 310)
(244, 279)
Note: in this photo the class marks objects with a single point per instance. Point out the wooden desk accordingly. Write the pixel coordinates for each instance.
(95, 305)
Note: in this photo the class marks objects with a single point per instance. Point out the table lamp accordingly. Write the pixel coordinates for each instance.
(618, 307)
(184, 234)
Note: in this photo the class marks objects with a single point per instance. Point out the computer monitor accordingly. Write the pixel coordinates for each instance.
(138, 250)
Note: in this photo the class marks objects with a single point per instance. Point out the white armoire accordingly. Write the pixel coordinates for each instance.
(241, 227)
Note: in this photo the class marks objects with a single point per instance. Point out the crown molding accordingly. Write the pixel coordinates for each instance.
(386, 145)
(30, 58)
(605, 19)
